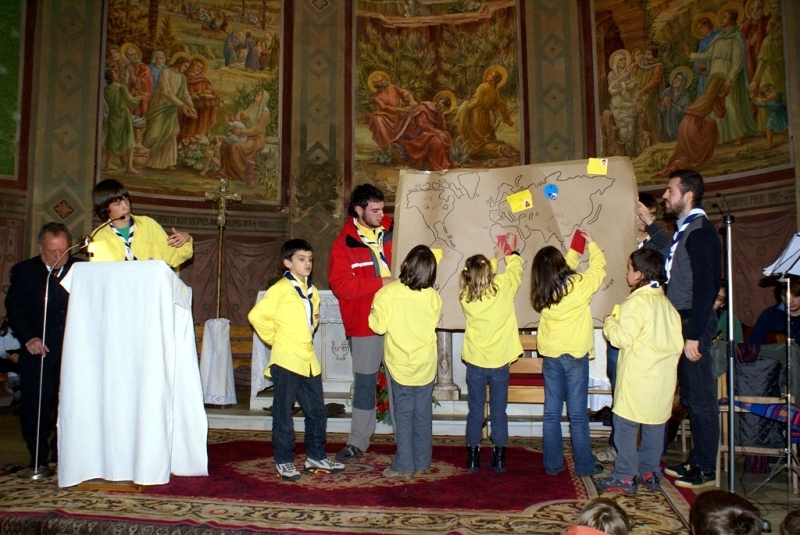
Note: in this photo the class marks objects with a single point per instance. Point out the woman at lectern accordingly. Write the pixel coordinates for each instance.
(123, 236)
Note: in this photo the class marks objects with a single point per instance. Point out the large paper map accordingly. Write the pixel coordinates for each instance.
(463, 211)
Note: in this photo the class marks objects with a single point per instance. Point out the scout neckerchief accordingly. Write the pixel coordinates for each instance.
(127, 241)
(306, 297)
(655, 284)
(376, 245)
(694, 214)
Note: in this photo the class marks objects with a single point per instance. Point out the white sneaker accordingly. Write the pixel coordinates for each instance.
(608, 455)
(287, 471)
(323, 465)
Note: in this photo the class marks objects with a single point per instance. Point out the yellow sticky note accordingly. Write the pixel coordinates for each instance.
(615, 312)
(437, 254)
(520, 201)
(597, 166)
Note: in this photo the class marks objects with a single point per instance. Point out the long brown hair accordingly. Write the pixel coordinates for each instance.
(550, 278)
(476, 279)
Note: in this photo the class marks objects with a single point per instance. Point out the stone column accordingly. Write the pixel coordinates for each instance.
(445, 389)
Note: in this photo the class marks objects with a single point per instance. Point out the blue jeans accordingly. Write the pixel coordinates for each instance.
(612, 356)
(308, 391)
(497, 378)
(413, 426)
(566, 377)
(699, 396)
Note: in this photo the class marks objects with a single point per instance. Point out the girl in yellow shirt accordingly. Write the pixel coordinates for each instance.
(565, 339)
(491, 343)
(407, 312)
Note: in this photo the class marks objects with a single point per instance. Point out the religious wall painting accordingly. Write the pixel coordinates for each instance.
(436, 88)
(11, 18)
(694, 84)
(191, 96)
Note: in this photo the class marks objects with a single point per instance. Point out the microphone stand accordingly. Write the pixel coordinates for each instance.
(729, 219)
(39, 472)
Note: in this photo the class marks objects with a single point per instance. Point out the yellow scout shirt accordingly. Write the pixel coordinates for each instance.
(408, 318)
(567, 326)
(149, 243)
(281, 320)
(648, 335)
(491, 339)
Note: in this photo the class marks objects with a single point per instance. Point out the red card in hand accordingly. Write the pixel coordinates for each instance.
(578, 242)
(501, 242)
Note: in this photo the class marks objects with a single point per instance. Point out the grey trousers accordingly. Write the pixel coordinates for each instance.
(630, 461)
(413, 426)
(367, 353)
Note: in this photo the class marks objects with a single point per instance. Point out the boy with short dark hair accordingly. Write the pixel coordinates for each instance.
(285, 319)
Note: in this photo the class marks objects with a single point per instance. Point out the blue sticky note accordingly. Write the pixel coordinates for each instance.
(551, 191)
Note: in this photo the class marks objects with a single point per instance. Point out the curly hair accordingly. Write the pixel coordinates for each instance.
(476, 279)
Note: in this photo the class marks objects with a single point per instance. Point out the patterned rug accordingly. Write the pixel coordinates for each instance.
(243, 495)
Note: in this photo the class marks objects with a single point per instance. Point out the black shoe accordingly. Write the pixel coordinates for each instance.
(596, 471)
(697, 479)
(498, 462)
(678, 470)
(348, 453)
(473, 458)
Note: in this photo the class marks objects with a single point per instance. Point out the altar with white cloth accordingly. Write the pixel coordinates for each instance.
(131, 402)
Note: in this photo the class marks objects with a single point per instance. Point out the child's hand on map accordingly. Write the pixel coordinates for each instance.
(586, 235)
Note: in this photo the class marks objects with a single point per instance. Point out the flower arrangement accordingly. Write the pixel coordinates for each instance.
(382, 412)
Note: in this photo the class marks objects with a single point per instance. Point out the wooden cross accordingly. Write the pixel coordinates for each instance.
(222, 198)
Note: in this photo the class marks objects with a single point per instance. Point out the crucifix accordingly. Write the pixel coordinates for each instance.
(222, 198)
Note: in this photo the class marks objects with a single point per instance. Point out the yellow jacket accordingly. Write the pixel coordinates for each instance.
(567, 326)
(281, 320)
(408, 318)
(491, 339)
(149, 243)
(648, 335)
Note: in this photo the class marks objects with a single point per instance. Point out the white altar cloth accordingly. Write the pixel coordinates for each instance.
(131, 402)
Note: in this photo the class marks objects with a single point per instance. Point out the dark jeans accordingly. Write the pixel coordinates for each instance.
(566, 377)
(308, 391)
(31, 366)
(612, 356)
(497, 378)
(699, 396)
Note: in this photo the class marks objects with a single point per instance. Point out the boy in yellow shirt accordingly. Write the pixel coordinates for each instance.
(285, 319)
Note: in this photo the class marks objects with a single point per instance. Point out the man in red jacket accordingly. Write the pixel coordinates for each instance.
(360, 262)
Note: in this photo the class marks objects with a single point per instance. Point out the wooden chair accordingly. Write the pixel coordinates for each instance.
(241, 343)
(724, 449)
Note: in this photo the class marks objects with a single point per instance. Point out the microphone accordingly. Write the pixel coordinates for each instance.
(715, 205)
(86, 240)
(725, 200)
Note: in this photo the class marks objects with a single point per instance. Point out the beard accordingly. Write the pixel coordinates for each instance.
(675, 209)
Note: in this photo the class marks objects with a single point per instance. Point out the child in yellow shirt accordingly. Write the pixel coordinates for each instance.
(565, 339)
(491, 343)
(285, 319)
(649, 336)
(407, 312)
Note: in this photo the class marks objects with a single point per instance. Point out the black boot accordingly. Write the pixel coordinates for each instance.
(498, 462)
(473, 458)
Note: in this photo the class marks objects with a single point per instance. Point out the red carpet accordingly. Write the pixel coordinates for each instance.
(245, 470)
(242, 495)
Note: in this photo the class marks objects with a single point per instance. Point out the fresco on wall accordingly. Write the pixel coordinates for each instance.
(11, 30)
(190, 96)
(436, 87)
(692, 84)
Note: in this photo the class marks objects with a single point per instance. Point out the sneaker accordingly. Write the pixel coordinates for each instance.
(612, 484)
(553, 471)
(348, 453)
(608, 455)
(596, 471)
(650, 481)
(287, 471)
(399, 476)
(678, 470)
(325, 466)
(697, 479)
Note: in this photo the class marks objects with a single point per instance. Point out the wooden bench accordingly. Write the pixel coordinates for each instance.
(241, 343)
